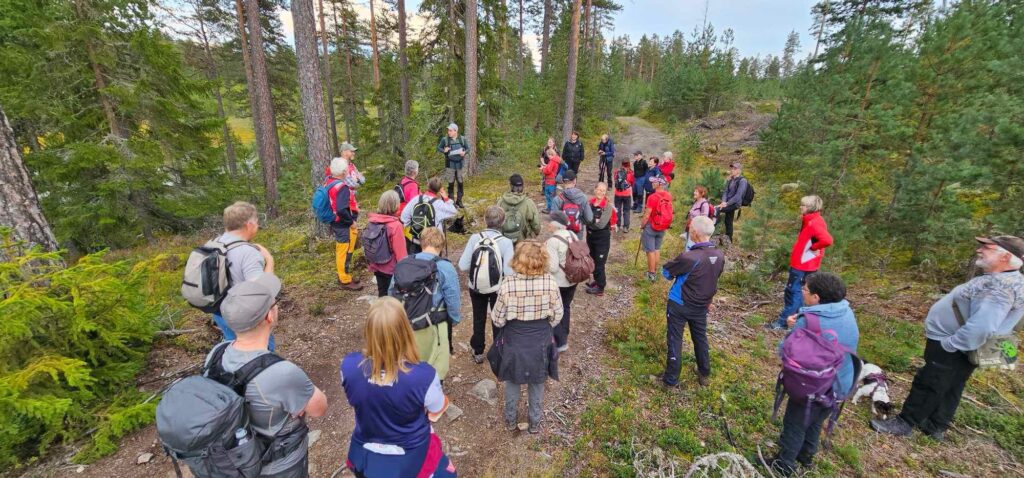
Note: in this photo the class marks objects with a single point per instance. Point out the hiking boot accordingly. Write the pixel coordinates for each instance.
(591, 284)
(703, 380)
(478, 358)
(937, 436)
(351, 286)
(776, 465)
(594, 291)
(545, 211)
(651, 277)
(893, 426)
(534, 428)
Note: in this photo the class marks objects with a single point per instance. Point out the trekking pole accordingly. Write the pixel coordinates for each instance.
(636, 258)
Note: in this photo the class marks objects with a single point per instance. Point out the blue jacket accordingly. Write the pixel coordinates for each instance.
(694, 274)
(608, 148)
(837, 317)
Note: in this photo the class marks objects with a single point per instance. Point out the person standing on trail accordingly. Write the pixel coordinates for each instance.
(454, 148)
(483, 246)
(572, 152)
(701, 208)
(599, 237)
(606, 155)
(694, 274)
(624, 181)
(522, 221)
(963, 329)
(550, 173)
(805, 258)
(573, 202)
(280, 397)
(527, 309)
(732, 196)
(395, 398)
(428, 210)
(381, 260)
(825, 299)
(344, 227)
(667, 166)
(639, 181)
(656, 220)
(557, 248)
(407, 188)
(545, 152)
(434, 340)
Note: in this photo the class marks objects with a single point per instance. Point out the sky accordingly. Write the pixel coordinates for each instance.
(760, 26)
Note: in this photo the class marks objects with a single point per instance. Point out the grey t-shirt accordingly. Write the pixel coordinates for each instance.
(244, 262)
(275, 397)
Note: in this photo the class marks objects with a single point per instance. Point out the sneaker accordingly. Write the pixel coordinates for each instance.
(651, 277)
(703, 380)
(591, 284)
(534, 428)
(893, 426)
(774, 326)
(478, 358)
(351, 286)
(563, 349)
(937, 436)
(545, 211)
(594, 291)
(511, 425)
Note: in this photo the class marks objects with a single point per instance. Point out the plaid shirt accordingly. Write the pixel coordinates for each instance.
(522, 297)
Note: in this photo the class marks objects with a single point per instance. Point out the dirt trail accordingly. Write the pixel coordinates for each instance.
(476, 441)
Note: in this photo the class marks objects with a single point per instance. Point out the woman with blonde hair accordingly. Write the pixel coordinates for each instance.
(395, 397)
(528, 307)
(804, 258)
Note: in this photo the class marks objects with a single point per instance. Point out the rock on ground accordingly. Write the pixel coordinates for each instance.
(486, 390)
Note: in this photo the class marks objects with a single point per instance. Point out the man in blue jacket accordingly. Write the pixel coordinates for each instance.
(695, 275)
(606, 155)
(824, 295)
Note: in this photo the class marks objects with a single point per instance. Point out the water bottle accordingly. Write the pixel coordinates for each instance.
(241, 436)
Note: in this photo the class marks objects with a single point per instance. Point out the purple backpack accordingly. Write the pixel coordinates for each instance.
(810, 368)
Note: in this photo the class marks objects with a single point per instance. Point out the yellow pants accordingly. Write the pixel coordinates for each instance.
(343, 255)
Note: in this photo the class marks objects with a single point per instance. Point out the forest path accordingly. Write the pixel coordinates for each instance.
(476, 441)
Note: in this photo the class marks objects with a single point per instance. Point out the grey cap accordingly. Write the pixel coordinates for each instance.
(248, 302)
(453, 126)
(346, 146)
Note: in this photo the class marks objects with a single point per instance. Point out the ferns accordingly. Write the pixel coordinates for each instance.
(70, 339)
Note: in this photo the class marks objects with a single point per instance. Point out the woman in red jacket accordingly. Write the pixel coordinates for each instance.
(550, 171)
(805, 258)
(387, 217)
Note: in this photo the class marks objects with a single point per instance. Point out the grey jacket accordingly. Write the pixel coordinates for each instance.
(992, 304)
(579, 198)
(735, 188)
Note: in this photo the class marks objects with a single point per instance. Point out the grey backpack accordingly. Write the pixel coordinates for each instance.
(203, 421)
(206, 279)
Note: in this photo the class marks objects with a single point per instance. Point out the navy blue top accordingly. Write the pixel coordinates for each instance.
(695, 274)
(388, 414)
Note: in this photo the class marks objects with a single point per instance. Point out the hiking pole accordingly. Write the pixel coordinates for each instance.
(636, 258)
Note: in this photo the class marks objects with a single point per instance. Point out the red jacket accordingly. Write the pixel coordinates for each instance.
(666, 169)
(810, 244)
(550, 170)
(396, 237)
(410, 189)
(605, 207)
(630, 179)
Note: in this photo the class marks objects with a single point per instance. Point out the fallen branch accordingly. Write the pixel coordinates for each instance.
(175, 332)
(1004, 398)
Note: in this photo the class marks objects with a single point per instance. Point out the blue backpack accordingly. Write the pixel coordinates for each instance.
(323, 207)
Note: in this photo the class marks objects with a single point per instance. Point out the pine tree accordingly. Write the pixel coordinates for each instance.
(267, 140)
(472, 75)
(19, 205)
(570, 83)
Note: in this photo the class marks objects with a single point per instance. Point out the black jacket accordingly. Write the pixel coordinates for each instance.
(524, 352)
(573, 152)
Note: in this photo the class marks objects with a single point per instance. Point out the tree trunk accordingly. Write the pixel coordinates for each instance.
(403, 66)
(99, 81)
(522, 57)
(269, 147)
(328, 86)
(821, 29)
(243, 41)
(570, 83)
(545, 48)
(19, 205)
(350, 110)
(471, 85)
(373, 46)
(214, 76)
(314, 116)
(586, 23)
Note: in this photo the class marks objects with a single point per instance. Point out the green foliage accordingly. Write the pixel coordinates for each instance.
(71, 338)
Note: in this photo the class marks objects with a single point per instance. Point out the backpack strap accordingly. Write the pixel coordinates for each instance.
(813, 322)
(241, 377)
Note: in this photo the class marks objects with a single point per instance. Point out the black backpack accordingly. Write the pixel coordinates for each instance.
(422, 216)
(748, 195)
(621, 184)
(198, 418)
(400, 189)
(415, 282)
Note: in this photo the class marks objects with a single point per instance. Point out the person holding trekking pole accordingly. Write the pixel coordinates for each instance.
(606, 155)
(656, 220)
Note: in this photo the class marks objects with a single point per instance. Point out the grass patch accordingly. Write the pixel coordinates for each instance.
(891, 343)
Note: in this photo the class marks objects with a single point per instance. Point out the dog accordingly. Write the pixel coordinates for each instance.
(874, 385)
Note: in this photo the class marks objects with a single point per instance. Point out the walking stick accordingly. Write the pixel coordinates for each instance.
(636, 258)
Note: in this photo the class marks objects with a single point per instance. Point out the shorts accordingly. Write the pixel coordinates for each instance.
(651, 239)
(451, 175)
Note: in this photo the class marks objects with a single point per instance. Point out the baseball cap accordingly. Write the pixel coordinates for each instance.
(515, 180)
(248, 302)
(346, 146)
(658, 180)
(559, 217)
(735, 164)
(569, 175)
(453, 126)
(1013, 244)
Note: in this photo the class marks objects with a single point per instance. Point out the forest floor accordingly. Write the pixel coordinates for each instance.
(605, 417)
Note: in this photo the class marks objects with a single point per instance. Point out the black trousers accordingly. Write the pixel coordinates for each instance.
(727, 218)
(481, 304)
(383, 283)
(623, 207)
(605, 170)
(458, 192)
(599, 241)
(937, 388)
(574, 165)
(562, 329)
(678, 317)
(801, 433)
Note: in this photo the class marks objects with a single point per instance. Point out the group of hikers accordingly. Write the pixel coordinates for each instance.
(521, 274)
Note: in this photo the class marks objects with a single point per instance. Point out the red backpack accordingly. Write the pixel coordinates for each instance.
(573, 212)
(661, 215)
(711, 211)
